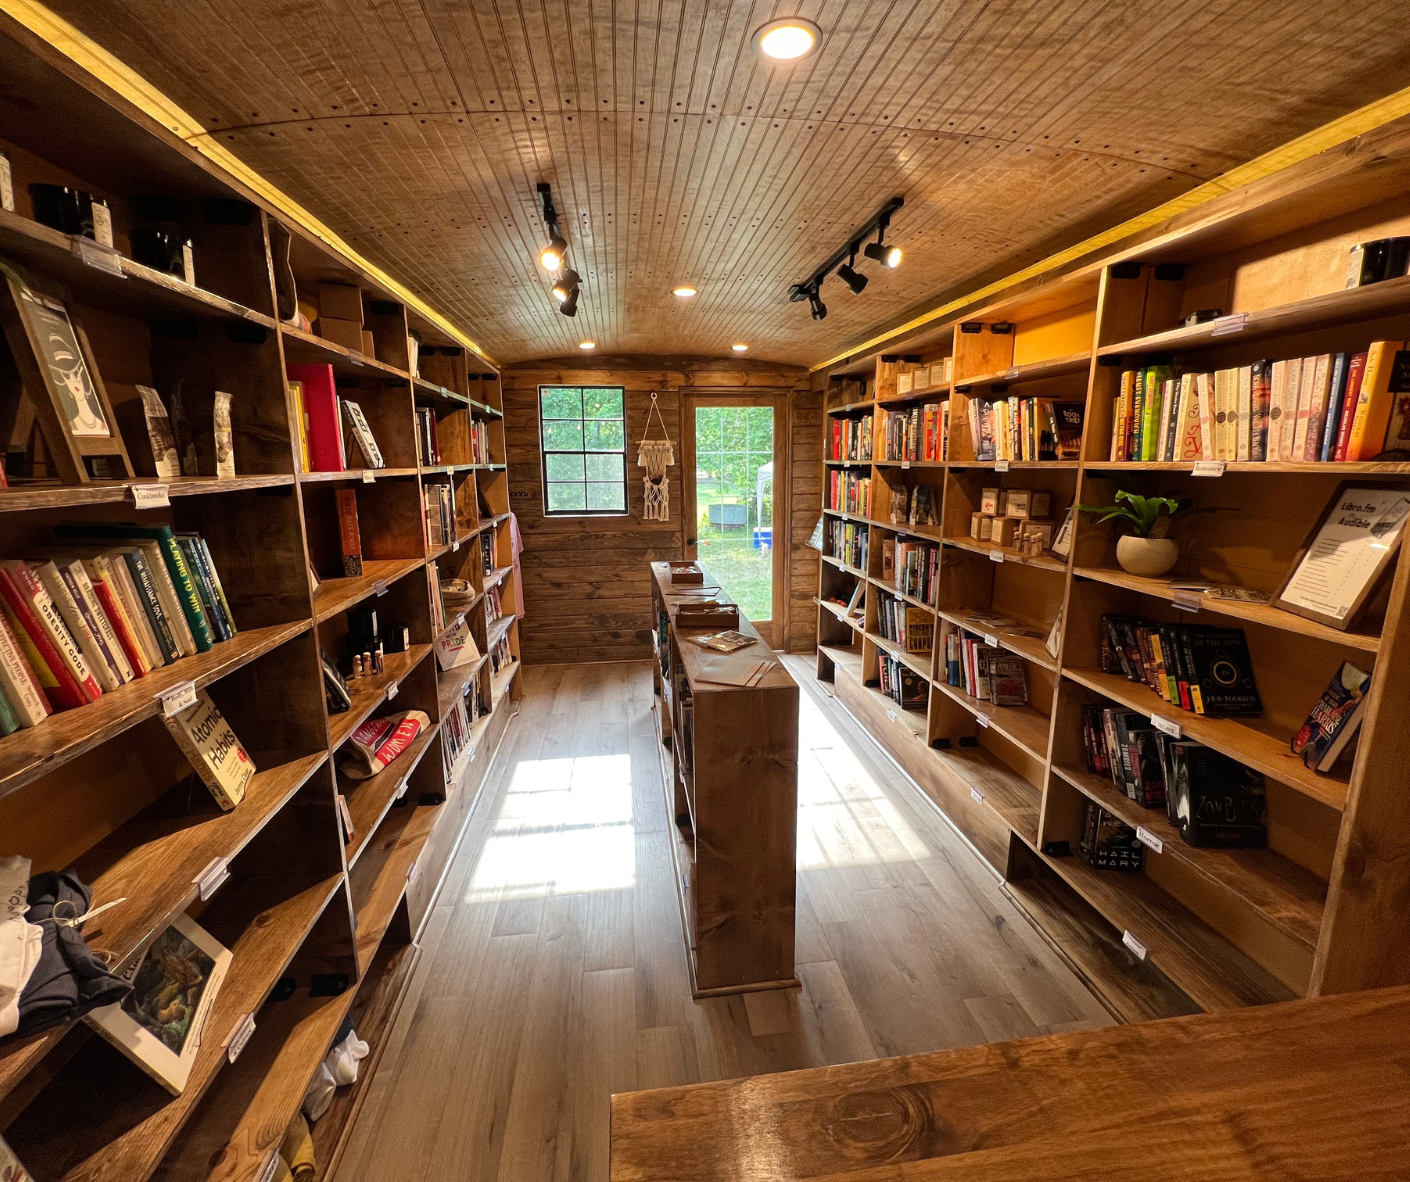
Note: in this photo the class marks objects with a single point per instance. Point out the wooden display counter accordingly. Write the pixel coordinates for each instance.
(1307, 1089)
(729, 762)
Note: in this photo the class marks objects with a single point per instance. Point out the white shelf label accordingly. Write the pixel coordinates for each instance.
(472, 755)
(401, 790)
(1208, 468)
(413, 872)
(996, 556)
(178, 698)
(1189, 601)
(1134, 944)
(242, 1035)
(455, 545)
(380, 587)
(212, 877)
(354, 356)
(1001, 465)
(1228, 324)
(97, 256)
(991, 640)
(150, 496)
(1011, 373)
(1147, 838)
(369, 477)
(392, 691)
(893, 716)
(905, 464)
(976, 795)
(1164, 724)
(271, 1167)
(982, 720)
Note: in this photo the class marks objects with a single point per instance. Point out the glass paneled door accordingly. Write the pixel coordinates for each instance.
(730, 526)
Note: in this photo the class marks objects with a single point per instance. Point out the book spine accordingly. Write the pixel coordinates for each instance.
(1204, 392)
(1374, 406)
(1245, 441)
(147, 602)
(185, 591)
(1336, 395)
(48, 617)
(1317, 408)
(59, 685)
(349, 533)
(1262, 402)
(78, 627)
(21, 684)
(1348, 407)
(103, 627)
(9, 719)
(171, 607)
(112, 596)
(203, 586)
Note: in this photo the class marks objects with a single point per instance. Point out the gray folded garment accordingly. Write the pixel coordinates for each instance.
(69, 979)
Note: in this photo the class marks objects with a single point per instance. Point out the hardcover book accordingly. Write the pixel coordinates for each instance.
(1008, 681)
(348, 532)
(1215, 800)
(1336, 717)
(209, 743)
(378, 741)
(1223, 673)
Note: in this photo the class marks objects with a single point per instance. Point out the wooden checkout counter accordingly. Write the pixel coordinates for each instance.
(1305, 1090)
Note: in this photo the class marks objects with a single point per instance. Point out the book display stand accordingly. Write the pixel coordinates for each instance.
(317, 882)
(1254, 278)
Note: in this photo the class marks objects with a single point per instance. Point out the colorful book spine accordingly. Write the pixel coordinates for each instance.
(1374, 406)
(18, 678)
(58, 684)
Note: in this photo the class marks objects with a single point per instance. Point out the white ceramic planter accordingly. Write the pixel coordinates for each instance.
(1147, 556)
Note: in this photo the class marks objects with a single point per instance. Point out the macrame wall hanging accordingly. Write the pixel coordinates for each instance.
(656, 455)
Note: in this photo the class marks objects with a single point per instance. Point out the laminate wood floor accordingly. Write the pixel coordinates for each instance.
(553, 969)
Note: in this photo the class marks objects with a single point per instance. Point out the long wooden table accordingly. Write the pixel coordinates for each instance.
(1304, 1090)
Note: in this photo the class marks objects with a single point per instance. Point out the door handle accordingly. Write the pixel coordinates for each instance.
(690, 541)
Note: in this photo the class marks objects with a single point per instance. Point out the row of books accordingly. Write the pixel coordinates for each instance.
(1211, 799)
(920, 433)
(438, 509)
(479, 442)
(118, 602)
(913, 628)
(1327, 408)
(428, 441)
(1025, 429)
(847, 542)
(981, 670)
(851, 439)
(494, 603)
(902, 684)
(1202, 670)
(501, 656)
(334, 435)
(913, 567)
(456, 725)
(487, 551)
(849, 492)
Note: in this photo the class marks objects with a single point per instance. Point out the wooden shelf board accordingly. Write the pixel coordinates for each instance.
(449, 682)
(48, 495)
(1009, 555)
(1285, 894)
(497, 576)
(1215, 974)
(1235, 737)
(1053, 367)
(1022, 725)
(1325, 311)
(1015, 465)
(35, 751)
(305, 348)
(499, 683)
(242, 1118)
(912, 720)
(914, 395)
(911, 599)
(357, 474)
(1253, 613)
(430, 390)
(337, 595)
(139, 292)
(143, 1130)
(918, 663)
(1360, 468)
(844, 656)
(840, 565)
(907, 464)
(1030, 648)
(839, 612)
(379, 879)
(1003, 789)
(849, 463)
(496, 631)
(370, 692)
(369, 800)
(851, 407)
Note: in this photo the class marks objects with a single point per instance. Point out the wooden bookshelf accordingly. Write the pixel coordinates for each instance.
(1314, 912)
(729, 766)
(105, 789)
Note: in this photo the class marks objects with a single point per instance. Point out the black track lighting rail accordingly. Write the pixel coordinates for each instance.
(550, 215)
(875, 225)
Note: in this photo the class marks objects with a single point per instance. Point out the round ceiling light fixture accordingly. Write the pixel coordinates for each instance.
(787, 40)
(551, 257)
(740, 348)
(587, 344)
(684, 292)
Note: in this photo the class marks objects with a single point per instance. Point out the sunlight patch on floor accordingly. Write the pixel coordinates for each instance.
(565, 828)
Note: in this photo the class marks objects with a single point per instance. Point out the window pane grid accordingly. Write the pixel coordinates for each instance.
(583, 442)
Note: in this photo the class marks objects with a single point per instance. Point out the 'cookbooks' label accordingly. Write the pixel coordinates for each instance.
(150, 496)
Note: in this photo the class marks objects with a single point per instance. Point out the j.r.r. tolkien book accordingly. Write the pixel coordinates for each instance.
(1223, 673)
(207, 740)
(1336, 717)
(1214, 800)
(1108, 842)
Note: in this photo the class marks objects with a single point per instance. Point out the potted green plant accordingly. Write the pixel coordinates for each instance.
(1146, 549)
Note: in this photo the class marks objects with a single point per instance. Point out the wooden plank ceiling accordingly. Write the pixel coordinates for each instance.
(417, 129)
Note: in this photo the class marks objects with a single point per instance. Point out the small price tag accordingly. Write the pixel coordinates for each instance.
(1189, 601)
(905, 464)
(982, 720)
(212, 877)
(150, 496)
(392, 691)
(1001, 465)
(1164, 724)
(178, 698)
(242, 1035)
(991, 640)
(354, 356)
(996, 556)
(1134, 944)
(1208, 468)
(369, 478)
(401, 789)
(455, 545)
(1227, 324)
(1147, 838)
(271, 1167)
(976, 796)
(97, 256)
(380, 587)
(413, 872)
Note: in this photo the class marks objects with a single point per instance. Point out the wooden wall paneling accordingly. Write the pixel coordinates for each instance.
(806, 492)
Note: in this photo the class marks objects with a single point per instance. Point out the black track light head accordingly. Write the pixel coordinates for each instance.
(569, 307)
(887, 256)
(567, 284)
(815, 303)
(856, 282)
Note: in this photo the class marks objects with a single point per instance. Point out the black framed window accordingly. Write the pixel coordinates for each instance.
(583, 437)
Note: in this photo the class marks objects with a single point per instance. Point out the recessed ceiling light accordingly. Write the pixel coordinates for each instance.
(740, 348)
(684, 292)
(788, 39)
(587, 344)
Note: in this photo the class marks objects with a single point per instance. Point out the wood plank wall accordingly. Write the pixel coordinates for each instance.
(586, 585)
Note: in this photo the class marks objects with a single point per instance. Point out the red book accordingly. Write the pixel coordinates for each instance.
(1348, 405)
(325, 448)
(47, 614)
(58, 683)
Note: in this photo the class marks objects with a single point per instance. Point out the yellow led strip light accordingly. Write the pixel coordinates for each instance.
(126, 82)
